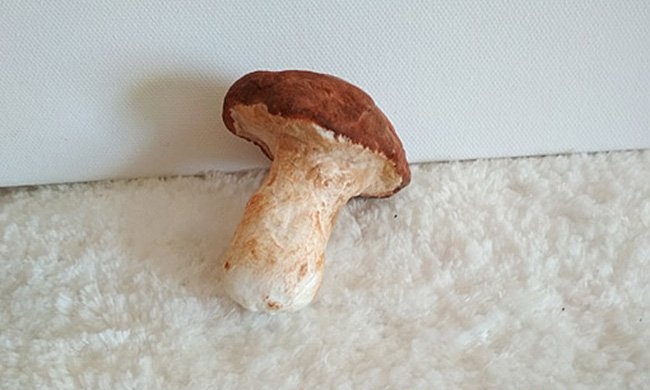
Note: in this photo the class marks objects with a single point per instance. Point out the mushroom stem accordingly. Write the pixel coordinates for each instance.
(276, 257)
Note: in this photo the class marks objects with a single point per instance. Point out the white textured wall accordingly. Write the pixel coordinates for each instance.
(97, 89)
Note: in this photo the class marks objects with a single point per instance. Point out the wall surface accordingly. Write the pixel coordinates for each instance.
(94, 89)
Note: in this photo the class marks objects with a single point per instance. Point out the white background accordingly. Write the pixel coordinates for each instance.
(96, 89)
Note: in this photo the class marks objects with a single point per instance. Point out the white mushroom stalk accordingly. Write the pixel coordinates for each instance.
(276, 258)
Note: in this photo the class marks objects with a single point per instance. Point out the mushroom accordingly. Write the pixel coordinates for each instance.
(329, 142)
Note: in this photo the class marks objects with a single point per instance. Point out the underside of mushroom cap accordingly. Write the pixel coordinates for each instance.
(302, 99)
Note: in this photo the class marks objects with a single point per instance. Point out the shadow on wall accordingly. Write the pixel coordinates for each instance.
(179, 117)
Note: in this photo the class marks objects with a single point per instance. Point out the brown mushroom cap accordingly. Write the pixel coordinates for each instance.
(323, 100)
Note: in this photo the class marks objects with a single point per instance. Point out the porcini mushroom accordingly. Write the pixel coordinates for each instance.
(329, 142)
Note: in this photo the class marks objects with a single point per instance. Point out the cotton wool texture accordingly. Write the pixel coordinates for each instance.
(492, 274)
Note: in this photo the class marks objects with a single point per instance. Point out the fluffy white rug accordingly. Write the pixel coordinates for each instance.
(523, 273)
